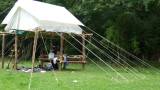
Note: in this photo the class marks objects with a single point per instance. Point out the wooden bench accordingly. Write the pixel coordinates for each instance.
(74, 59)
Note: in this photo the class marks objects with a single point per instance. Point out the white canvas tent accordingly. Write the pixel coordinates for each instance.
(28, 15)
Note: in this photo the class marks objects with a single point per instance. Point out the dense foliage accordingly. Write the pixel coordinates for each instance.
(132, 24)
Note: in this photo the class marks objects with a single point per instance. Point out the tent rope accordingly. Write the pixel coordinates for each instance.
(57, 80)
(101, 59)
(128, 53)
(85, 55)
(111, 58)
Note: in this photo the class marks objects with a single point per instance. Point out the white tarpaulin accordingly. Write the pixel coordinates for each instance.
(28, 15)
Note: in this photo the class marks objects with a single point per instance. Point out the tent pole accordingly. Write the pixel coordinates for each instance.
(16, 53)
(61, 49)
(3, 46)
(34, 48)
(83, 51)
(16, 42)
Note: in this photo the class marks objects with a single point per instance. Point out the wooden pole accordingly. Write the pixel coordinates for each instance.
(83, 51)
(61, 49)
(16, 49)
(3, 48)
(34, 48)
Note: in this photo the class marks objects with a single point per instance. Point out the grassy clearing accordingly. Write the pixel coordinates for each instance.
(92, 78)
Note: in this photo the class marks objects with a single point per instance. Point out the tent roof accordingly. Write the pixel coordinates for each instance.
(28, 14)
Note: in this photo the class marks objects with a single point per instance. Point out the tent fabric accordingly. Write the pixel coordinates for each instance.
(28, 15)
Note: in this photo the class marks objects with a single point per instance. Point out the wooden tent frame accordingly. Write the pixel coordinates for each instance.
(16, 48)
(3, 47)
(82, 57)
(61, 60)
(36, 34)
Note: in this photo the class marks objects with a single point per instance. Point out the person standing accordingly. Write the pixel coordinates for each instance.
(54, 60)
(51, 56)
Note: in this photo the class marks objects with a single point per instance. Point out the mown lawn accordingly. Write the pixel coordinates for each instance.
(92, 78)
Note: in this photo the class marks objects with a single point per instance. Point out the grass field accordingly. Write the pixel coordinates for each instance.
(92, 78)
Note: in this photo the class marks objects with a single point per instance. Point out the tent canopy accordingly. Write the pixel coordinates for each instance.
(28, 15)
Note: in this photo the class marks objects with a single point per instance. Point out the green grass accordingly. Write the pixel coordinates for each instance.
(92, 78)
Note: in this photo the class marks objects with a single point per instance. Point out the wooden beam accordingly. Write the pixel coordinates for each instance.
(61, 45)
(83, 50)
(61, 49)
(3, 48)
(1, 33)
(34, 48)
(87, 34)
(16, 51)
